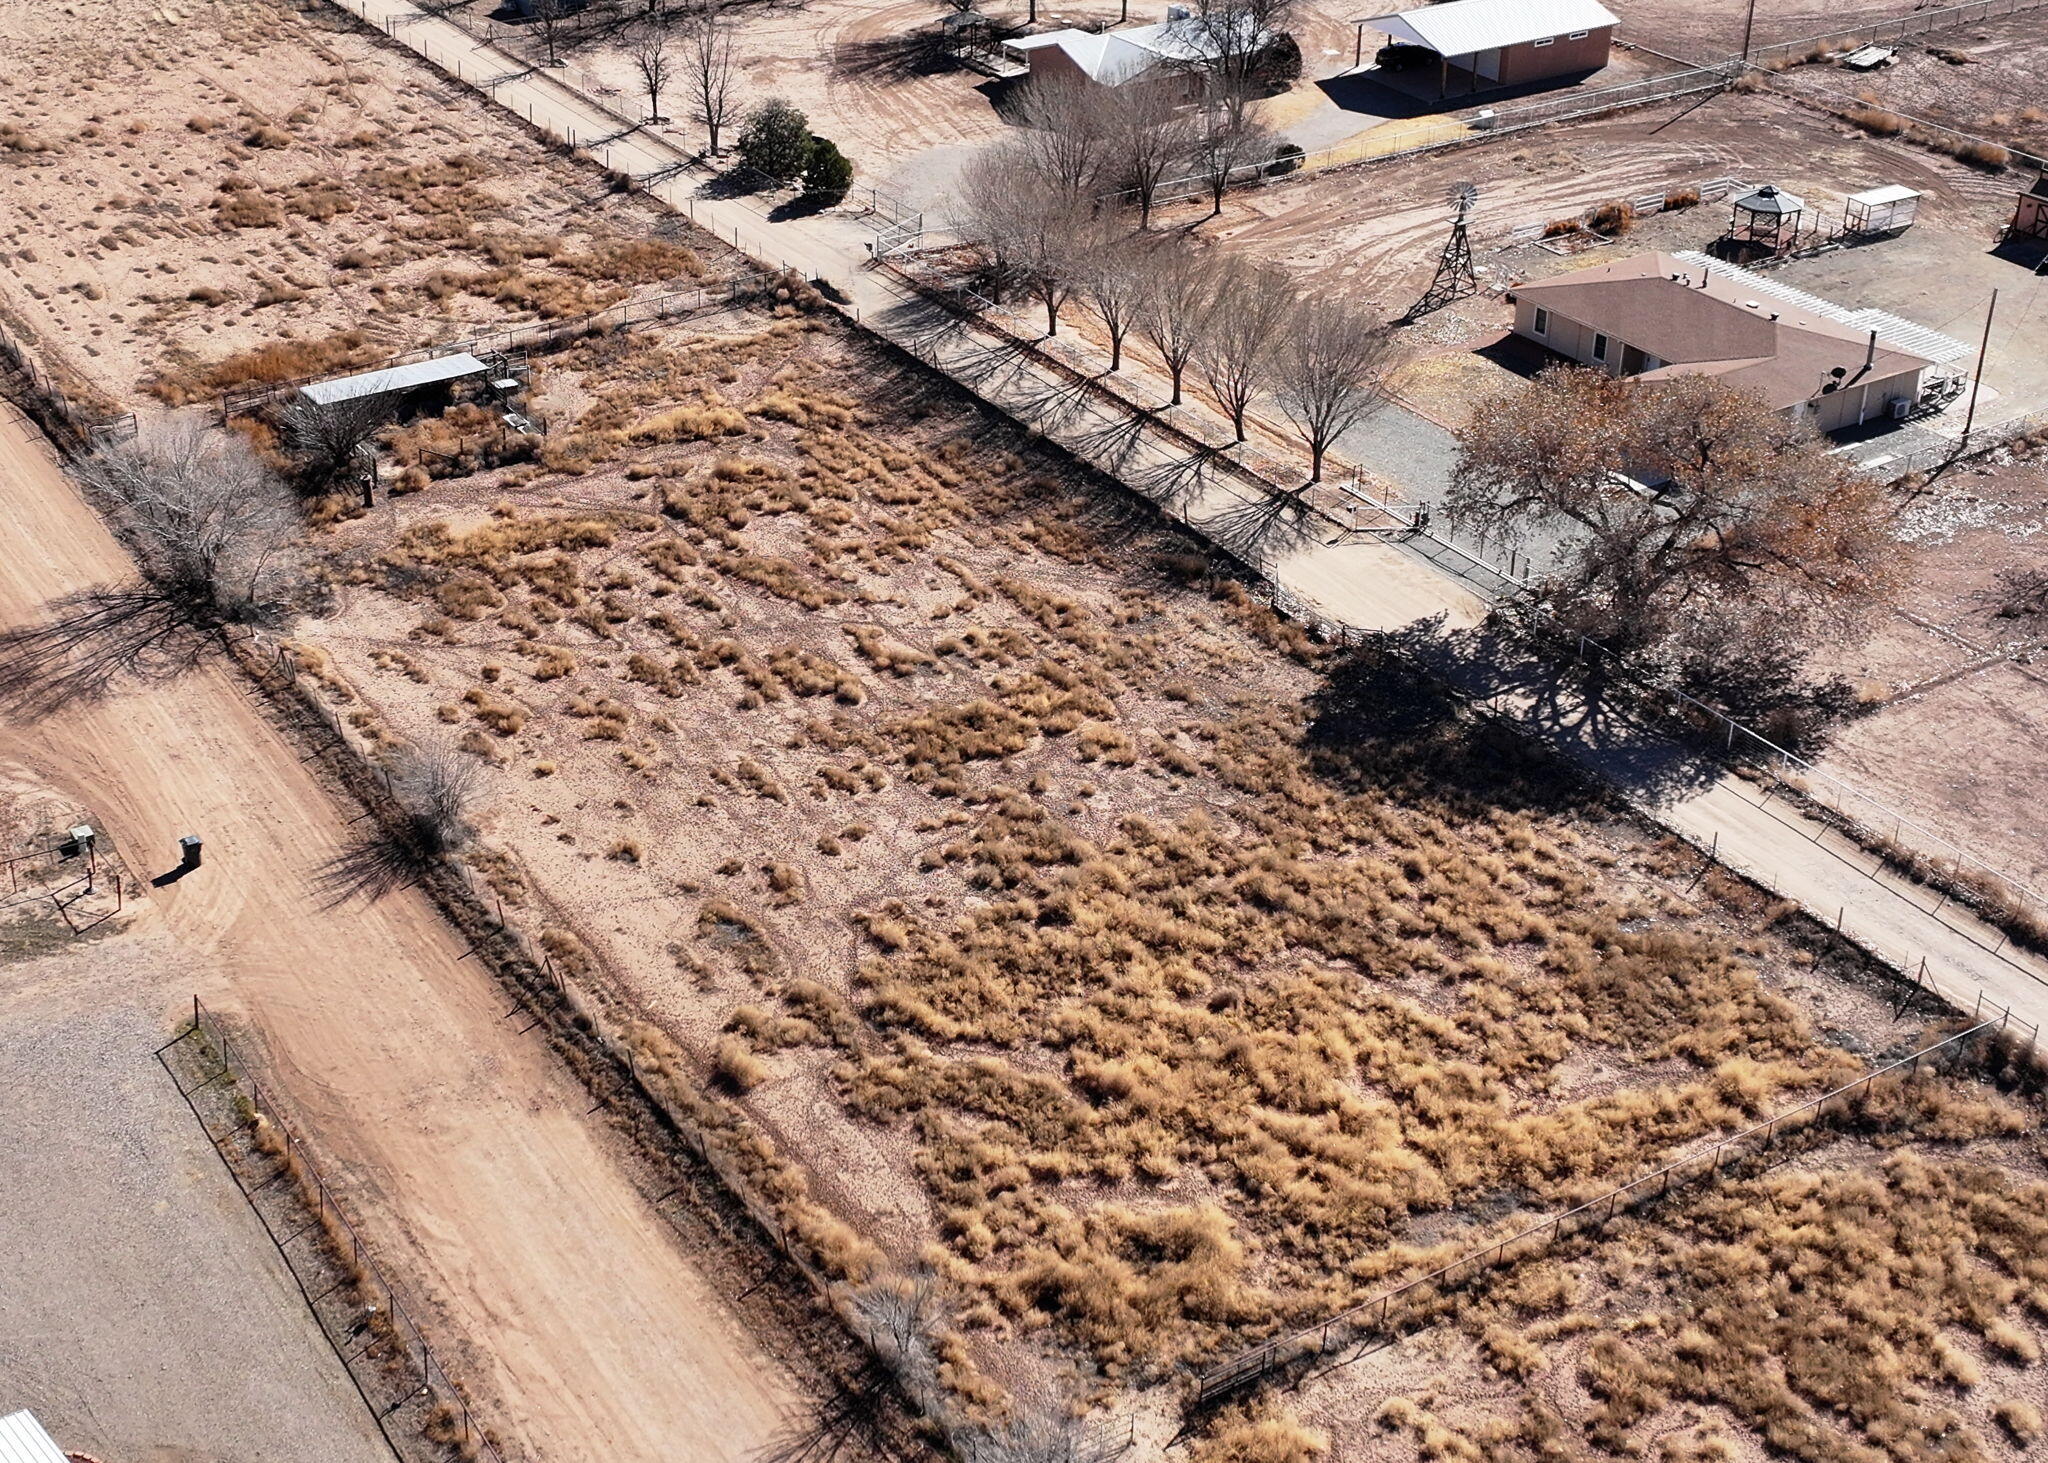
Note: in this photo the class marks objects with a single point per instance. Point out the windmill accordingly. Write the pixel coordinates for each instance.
(1454, 275)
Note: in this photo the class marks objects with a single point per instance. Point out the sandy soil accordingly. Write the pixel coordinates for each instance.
(1986, 81)
(1707, 33)
(464, 1146)
(254, 174)
(148, 1316)
(1376, 231)
(1959, 736)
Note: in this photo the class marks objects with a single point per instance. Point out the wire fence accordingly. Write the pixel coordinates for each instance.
(1919, 23)
(420, 1411)
(83, 427)
(1384, 1313)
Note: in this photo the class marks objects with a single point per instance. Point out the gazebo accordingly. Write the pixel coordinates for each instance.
(1767, 218)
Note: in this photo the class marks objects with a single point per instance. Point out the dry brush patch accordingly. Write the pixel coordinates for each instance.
(1086, 931)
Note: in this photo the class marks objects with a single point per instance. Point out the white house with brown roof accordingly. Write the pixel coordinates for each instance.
(1167, 53)
(1657, 315)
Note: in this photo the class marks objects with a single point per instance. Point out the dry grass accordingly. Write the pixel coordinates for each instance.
(1205, 980)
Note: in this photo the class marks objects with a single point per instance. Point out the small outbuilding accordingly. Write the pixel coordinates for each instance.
(2030, 216)
(22, 1440)
(1482, 44)
(1887, 210)
(412, 389)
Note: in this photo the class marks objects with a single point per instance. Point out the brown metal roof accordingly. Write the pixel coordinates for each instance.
(1705, 321)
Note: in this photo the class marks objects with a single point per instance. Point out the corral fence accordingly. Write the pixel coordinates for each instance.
(82, 428)
(1384, 1314)
(420, 1411)
(542, 336)
(1885, 32)
(67, 896)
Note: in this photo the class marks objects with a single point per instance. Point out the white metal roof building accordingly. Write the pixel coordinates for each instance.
(394, 379)
(1466, 27)
(22, 1440)
(1113, 57)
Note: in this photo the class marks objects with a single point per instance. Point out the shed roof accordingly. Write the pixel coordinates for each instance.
(1463, 27)
(393, 379)
(1714, 321)
(22, 1440)
(1113, 57)
(1889, 193)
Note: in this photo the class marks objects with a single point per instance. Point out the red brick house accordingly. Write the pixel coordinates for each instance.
(1483, 44)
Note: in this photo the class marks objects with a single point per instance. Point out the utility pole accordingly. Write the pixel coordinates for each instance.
(1983, 350)
(1748, 26)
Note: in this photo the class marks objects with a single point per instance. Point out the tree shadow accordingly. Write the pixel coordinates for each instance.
(98, 637)
(895, 59)
(1578, 709)
(1257, 525)
(851, 1423)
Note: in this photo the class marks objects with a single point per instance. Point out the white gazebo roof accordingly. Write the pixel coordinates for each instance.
(1465, 27)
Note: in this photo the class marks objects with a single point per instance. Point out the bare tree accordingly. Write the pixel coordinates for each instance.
(1235, 354)
(1034, 234)
(1751, 509)
(434, 789)
(1328, 372)
(327, 438)
(656, 65)
(208, 524)
(1111, 272)
(550, 16)
(1067, 132)
(1178, 286)
(1231, 44)
(1149, 138)
(712, 68)
(1227, 146)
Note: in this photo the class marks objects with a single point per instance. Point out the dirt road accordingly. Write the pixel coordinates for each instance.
(552, 1284)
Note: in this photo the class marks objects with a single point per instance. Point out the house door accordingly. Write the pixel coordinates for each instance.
(1487, 64)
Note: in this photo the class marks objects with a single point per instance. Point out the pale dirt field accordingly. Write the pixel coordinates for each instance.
(187, 184)
(549, 1284)
(1958, 738)
(1987, 82)
(147, 1317)
(670, 658)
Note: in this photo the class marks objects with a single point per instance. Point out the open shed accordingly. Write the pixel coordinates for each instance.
(1885, 210)
(1481, 44)
(434, 377)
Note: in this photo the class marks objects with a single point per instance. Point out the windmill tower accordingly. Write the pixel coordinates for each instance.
(1455, 278)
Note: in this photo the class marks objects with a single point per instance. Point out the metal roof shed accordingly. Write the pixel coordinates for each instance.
(1467, 27)
(22, 1440)
(1883, 210)
(394, 379)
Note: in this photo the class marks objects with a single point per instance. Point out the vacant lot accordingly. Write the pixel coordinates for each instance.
(259, 188)
(1706, 33)
(1077, 926)
(1984, 80)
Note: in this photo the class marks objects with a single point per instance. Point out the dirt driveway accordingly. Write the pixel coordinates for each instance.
(551, 1284)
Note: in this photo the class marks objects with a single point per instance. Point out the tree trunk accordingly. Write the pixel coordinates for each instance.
(1052, 317)
(1116, 352)
(1175, 372)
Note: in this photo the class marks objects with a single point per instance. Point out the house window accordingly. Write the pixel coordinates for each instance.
(1599, 347)
(1542, 322)
(1547, 41)
(1577, 35)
